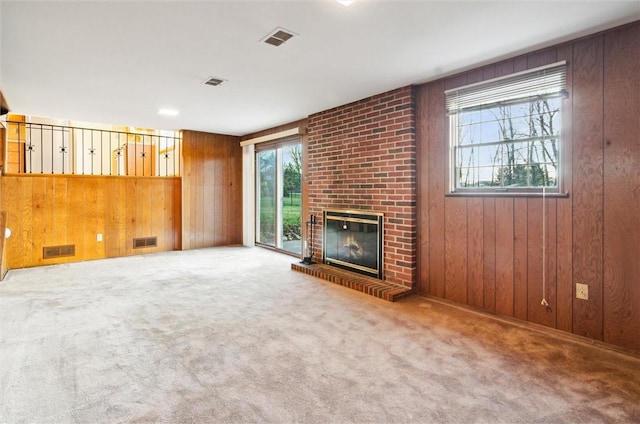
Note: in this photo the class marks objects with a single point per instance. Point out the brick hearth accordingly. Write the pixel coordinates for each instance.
(382, 289)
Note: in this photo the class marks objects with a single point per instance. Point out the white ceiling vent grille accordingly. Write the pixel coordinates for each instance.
(213, 81)
(278, 37)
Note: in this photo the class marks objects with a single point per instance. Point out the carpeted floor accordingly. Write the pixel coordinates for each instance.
(232, 335)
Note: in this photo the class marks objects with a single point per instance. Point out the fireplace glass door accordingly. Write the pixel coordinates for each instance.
(353, 240)
(278, 197)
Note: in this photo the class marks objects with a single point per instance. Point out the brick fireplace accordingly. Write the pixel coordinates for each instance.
(362, 156)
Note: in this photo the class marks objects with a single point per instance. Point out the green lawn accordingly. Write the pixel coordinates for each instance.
(291, 217)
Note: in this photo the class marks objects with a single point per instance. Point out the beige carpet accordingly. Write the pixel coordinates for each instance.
(233, 335)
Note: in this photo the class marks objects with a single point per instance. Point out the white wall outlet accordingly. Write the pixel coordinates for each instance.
(99, 237)
(582, 291)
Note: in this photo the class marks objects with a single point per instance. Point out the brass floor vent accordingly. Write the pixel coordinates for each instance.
(139, 243)
(50, 252)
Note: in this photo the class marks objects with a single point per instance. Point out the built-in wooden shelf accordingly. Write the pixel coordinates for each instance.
(371, 286)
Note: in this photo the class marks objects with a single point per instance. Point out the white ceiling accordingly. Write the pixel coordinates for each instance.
(118, 62)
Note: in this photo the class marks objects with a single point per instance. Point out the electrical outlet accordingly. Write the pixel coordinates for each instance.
(99, 237)
(582, 291)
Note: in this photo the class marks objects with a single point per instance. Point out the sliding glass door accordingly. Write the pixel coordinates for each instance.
(278, 197)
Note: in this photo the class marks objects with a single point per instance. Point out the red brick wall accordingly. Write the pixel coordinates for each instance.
(363, 156)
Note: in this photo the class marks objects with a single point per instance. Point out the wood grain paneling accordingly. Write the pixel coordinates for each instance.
(504, 256)
(520, 258)
(541, 261)
(591, 236)
(456, 249)
(622, 188)
(3, 252)
(211, 188)
(564, 219)
(489, 254)
(436, 189)
(156, 220)
(541, 57)
(78, 233)
(3, 152)
(588, 184)
(51, 210)
(132, 217)
(475, 257)
(422, 175)
(534, 260)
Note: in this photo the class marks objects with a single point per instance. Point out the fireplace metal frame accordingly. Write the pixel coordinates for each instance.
(359, 216)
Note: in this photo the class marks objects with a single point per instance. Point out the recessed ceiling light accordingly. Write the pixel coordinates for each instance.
(346, 3)
(168, 112)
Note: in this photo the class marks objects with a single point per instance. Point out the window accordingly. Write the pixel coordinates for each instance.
(505, 133)
(278, 195)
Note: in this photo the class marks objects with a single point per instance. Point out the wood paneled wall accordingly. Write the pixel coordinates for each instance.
(486, 252)
(211, 190)
(51, 210)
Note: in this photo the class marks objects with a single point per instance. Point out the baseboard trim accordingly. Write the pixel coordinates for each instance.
(533, 326)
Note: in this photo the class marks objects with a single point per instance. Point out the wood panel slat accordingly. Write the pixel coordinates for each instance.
(133, 215)
(520, 258)
(13, 195)
(422, 195)
(60, 210)
(456, 249)
(78, 231)
(475, 252)
(504, 256)
(143, 196)
(199, 212)
(157, 216)
(564, 302)
(541, 279)
(47, 214)
(177, 214)
(100, 219)
(39, 211)
(26, 212)
(234, 188)
(3, 227)
(550, 258)
(489, 254)
(186, 202)
(211, 180)
(542, 57)
(436, 189)
(534, 260)
(220, 178)
(622, 188)
(115, 219)
(588, 184)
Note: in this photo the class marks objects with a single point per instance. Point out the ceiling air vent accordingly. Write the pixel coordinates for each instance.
(278, 36)
(213, 81)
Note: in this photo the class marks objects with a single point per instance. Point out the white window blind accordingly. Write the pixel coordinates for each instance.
(543, 82)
